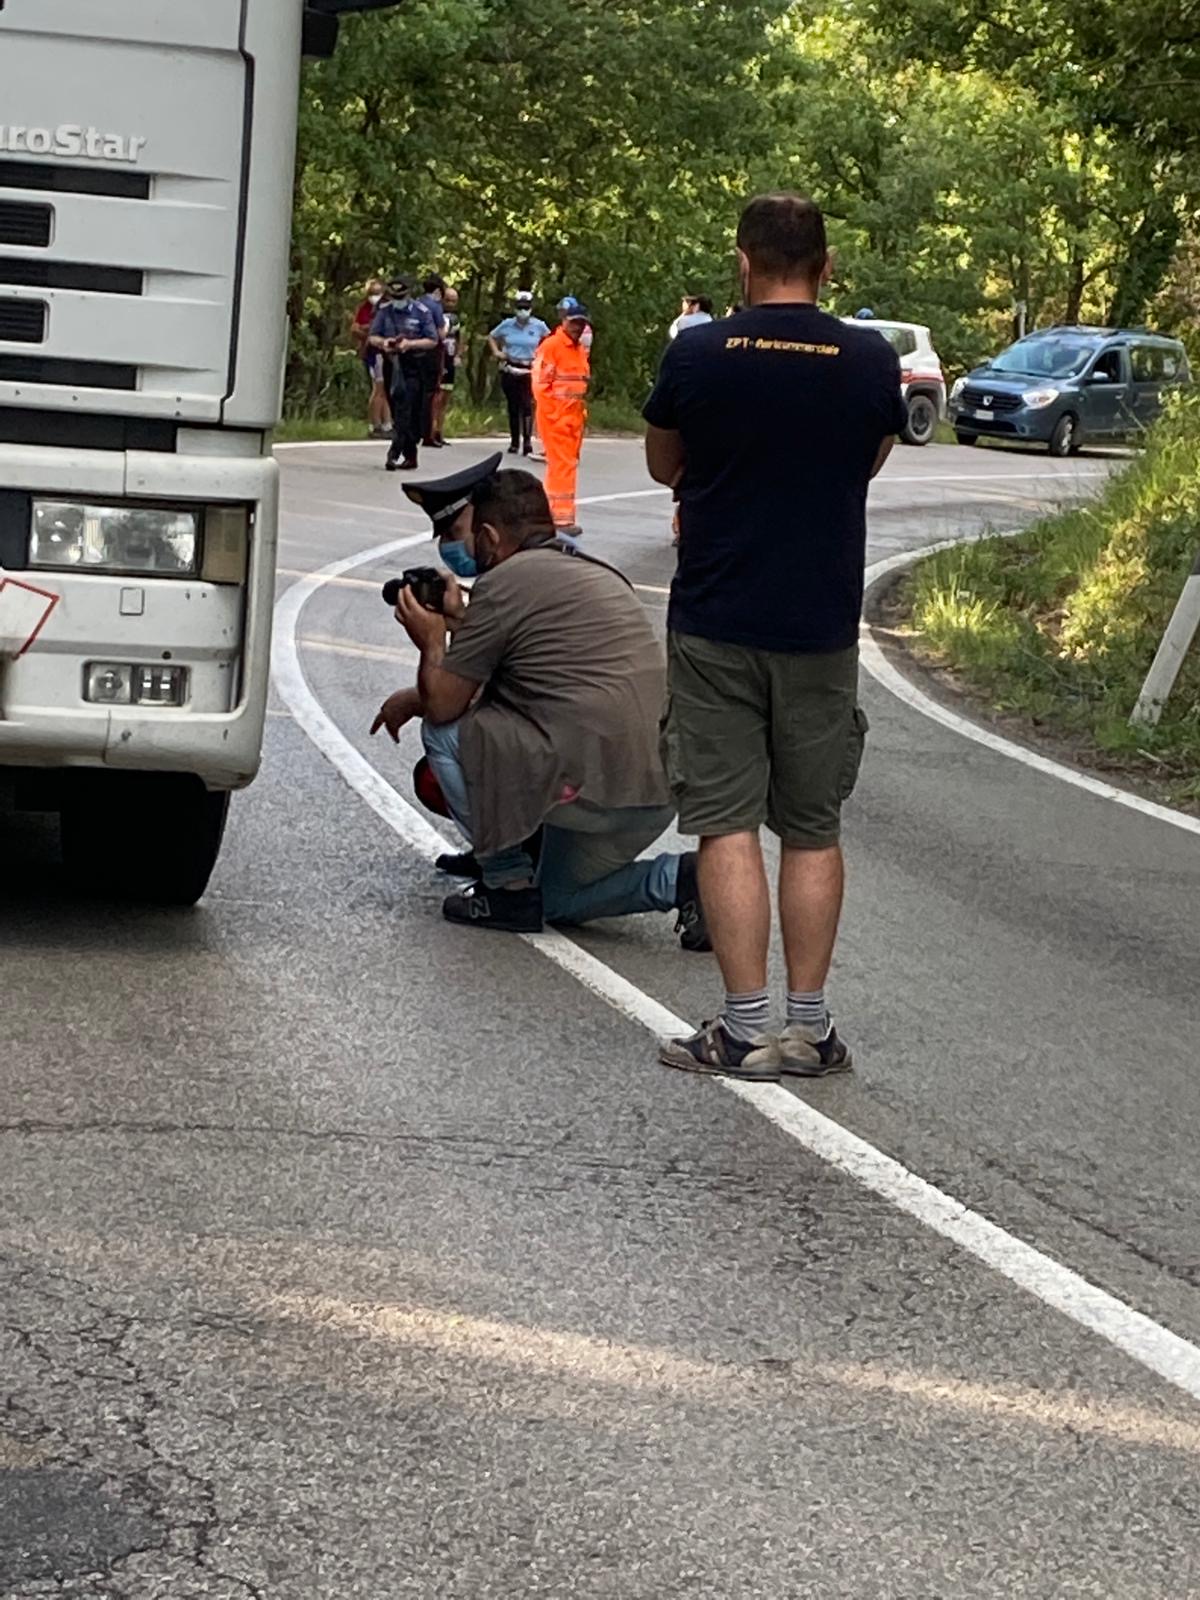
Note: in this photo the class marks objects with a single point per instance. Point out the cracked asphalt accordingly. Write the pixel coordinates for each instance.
(343, 1255)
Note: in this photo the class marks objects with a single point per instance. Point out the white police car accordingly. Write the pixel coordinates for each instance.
(921, 376)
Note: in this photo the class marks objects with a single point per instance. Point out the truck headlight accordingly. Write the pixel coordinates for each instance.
(1039, 399)
(125, 538)
(959, 385)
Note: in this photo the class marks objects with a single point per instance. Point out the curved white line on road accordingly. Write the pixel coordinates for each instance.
(1057, 1286)
(882, 670)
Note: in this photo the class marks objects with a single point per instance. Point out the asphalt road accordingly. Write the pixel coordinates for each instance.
(345, 1254)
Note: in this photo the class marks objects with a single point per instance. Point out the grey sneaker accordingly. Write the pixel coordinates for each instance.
(713, 1051)
(803, 1053)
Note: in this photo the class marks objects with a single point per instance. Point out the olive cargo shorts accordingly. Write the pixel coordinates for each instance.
(754, 736)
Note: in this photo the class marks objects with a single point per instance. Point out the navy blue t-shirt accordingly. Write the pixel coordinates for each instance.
(782, 410)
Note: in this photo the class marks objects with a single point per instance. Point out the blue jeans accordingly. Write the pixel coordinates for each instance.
(588, 866)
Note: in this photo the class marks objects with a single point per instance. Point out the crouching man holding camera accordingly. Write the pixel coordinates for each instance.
(539, 717)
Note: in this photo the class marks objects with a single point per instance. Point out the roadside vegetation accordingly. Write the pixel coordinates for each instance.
(1058, 625)
(970, 159)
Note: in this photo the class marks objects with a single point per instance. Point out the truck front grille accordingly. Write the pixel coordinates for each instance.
(40, 273)
(23, 321)
(66, 373)
(74, 180)
(26, 224)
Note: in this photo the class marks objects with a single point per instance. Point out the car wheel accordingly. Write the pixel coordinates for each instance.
(966, 438)
(922, 420)
(1064, 441)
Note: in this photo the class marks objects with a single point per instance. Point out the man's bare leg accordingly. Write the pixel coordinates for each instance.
(811, 883)
(737, 908)
(380, 415)
(810, 904)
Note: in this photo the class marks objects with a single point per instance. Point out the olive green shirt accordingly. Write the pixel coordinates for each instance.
(573, 687)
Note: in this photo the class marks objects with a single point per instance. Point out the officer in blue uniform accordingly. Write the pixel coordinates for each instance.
(405, 330)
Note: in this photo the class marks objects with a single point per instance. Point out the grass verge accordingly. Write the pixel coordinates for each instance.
(465, 420)
(1057, 626)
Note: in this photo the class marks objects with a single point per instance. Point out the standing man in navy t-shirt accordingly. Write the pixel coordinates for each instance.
(770, 425)
(404, 330)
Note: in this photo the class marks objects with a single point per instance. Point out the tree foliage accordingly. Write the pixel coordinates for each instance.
(972, 155)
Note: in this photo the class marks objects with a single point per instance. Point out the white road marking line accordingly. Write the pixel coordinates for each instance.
(329, 520)
(881, 669)
(899, 478)
(364, 652)
(1056, 1285)
(625, 494)
(327, 444)
(341, 583)
(408, 510)
(495, 440)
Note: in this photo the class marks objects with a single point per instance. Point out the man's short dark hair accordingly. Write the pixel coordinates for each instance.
(432, 283)
(703, 302)
(783, 236)
(515, 504)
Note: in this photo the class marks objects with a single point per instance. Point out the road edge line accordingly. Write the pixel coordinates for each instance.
(1151, 1345)
(904, 689)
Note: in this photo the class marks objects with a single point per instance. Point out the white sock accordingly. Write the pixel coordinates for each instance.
(808, 1011)
(746, 1015)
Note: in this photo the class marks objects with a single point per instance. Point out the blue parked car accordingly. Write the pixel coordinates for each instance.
(1067, 387)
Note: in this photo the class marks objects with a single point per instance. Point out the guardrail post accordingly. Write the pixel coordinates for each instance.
(1176, 642)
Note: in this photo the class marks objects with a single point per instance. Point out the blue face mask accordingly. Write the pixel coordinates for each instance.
(458, 558)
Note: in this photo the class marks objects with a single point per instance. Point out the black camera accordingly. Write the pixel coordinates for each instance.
(427, 584)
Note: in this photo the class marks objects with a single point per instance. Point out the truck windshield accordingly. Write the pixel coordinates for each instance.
(1046, 356)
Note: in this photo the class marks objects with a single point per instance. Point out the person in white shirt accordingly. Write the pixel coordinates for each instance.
(696, 308)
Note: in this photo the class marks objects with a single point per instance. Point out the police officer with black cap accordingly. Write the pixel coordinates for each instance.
(540, 717)
(405, 331)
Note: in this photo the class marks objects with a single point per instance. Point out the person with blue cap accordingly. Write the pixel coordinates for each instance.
(561, 375)
(539, 719)
(404, 330)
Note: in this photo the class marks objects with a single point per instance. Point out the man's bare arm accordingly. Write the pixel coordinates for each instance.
(665, 458)
(396, 711)
(444, 695)
(885, 450)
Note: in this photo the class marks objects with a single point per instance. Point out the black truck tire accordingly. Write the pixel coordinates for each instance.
(152, 837)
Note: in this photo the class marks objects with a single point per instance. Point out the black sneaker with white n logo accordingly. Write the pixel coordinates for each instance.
(506, 910)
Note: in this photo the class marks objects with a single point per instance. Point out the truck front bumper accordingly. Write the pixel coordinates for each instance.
(219, 632)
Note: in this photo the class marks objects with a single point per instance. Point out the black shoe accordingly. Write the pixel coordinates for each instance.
(409, 464)
(803, 1055)
(717, 1054)
(512, 450)
(508, 910)
(690, 924)
(527, 450)
(459, 866)
(391, 464)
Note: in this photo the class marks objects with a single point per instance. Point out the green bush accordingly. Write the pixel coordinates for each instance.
(1060, 624)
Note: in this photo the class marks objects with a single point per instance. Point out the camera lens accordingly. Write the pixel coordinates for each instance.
(391, 591)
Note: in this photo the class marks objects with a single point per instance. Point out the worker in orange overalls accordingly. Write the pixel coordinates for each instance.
(561, 372)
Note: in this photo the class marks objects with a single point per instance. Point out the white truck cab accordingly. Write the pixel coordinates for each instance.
(147, 152)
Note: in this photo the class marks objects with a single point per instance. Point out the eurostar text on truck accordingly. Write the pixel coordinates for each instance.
(146, 163)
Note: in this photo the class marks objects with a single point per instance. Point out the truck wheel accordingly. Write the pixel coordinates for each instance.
(1065, 441)
(966, 438)
(144, 836)
(922, 420)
